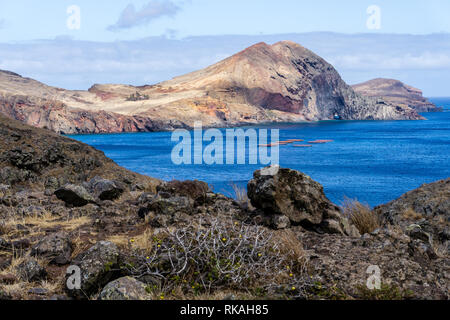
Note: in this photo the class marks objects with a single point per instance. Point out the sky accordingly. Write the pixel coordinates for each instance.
(105, 20)
(76, 43)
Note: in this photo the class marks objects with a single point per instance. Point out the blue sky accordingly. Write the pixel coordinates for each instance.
(147, 41)
(31, 19)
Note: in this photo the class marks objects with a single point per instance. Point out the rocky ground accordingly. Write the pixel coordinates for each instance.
(65, 207)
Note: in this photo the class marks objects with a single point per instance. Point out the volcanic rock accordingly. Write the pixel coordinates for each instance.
(423, 212)
(284, 192)
(55, 247)
(125, 288)
(31, 270)
(105, 189)
(97, 266)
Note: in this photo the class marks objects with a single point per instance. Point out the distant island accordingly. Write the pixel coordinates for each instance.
(396, 92)
(284, 82)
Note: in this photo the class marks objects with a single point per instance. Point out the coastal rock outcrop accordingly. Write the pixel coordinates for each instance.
(396, 92)
(283, 82)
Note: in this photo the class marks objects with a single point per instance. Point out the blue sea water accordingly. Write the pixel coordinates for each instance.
(372, 161)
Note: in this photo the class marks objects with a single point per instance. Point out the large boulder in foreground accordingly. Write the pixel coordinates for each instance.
(125, 288)
(287, 192)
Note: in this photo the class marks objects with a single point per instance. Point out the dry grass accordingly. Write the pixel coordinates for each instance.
(291, 246)
(12, 268)
(178, 294)
(19, 288)
(143, 241)
(39, 223)
(48, 222)
(16, 261)
(410, 214)
(240, 194)
(361, 216)
(79, 245)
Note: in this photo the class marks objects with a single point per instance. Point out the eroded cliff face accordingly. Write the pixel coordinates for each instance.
(396, 92)
(284, 82)
(58, 117)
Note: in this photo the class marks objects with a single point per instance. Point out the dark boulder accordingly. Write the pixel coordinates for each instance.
(73, 195)
(282, 192)
(196, 190)
(105, 189)
(288, 192)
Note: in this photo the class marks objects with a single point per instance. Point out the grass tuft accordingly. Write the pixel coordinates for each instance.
(361, 216)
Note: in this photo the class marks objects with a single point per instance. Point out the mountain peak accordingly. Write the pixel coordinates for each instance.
(287, 43)
(10, 73)
(282, 82)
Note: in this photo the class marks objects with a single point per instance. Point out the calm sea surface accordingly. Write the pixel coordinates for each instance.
(373, 161)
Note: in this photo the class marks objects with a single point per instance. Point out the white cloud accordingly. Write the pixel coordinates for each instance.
(153, 10)
(421, 61)
(426, 60)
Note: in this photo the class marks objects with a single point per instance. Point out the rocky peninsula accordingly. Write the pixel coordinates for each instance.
(283, 82)
(396, 92)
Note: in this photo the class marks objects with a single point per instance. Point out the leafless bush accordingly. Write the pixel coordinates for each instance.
(221, 255)
(361, 216)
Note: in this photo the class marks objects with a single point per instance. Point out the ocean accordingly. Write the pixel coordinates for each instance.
(372, 161)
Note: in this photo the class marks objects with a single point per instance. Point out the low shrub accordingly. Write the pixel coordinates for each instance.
(221, 255)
